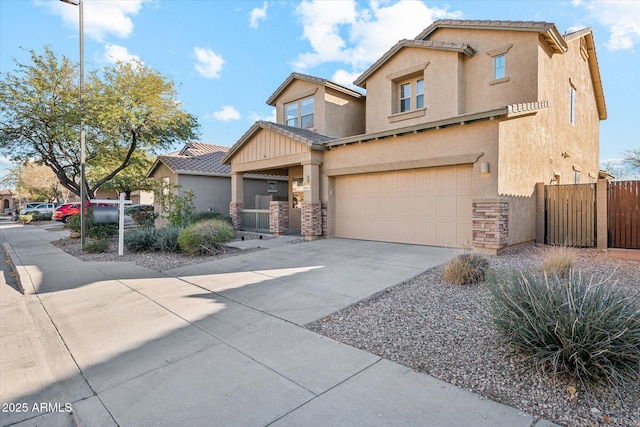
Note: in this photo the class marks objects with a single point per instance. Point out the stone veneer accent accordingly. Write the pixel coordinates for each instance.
(324, 218)
(278, 218)
(234, 213)
(490, 225)
(311, 219)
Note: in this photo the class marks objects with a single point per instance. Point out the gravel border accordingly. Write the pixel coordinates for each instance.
(158, 261)
(446, 331)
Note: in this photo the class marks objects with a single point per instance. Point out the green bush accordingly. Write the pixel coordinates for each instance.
(588, 331)
(96, 246)
(140, 239)
(25, 219)
(167, 239)
(466, 268)
(205, 236)
(152, 239)
(94, 230)
(38, 216)
(145, 218)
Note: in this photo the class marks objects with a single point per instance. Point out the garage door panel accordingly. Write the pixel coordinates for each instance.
(426, 206)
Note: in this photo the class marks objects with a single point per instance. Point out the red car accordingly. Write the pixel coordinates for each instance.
(65, 212)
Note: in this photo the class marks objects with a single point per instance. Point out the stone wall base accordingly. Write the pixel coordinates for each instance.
(278, 218)
(234, 213)
(490, 226)
(311, 216)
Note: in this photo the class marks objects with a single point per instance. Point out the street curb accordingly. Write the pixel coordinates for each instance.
(19, 270)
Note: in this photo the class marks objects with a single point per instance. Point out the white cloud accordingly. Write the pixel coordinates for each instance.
(345, 78)
(208, 63)
(257, 14)
(339, 31)
(101, 18)
(227, 113)
(114, 53)
(621, 17)
(270, 118)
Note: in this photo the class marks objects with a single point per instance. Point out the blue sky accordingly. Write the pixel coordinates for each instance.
(227, 57)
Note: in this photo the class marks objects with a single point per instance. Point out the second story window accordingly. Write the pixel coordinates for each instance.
(300, 113)
(405, 97)
(420, 93)
(411, 95)
(499, 67)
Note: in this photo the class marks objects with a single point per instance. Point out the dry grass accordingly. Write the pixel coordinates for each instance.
(558, 260)
(466, 269)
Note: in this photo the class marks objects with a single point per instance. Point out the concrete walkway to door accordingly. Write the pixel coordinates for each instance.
(219, 343)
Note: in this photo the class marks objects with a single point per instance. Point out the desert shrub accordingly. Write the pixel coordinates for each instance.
(94, 230)
(167, 239)
(145, 218)
(205, 236)
(95, 246)
(466, 268)
(149, 239)
(585, 330)
(25, 219)
(558, 260)
(206, 215)
(141, 239)
(41, 216)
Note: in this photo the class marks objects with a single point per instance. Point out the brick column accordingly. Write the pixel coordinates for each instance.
(490, 226)
(311, 214)
(234, 213)
(278, 218)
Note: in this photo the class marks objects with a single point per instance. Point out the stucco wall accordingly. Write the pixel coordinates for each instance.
(212, 193)
(345, 115)
(579, 141)
(335, 113)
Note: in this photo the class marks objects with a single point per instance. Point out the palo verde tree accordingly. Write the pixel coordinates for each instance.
(130, 179)
(128, 108)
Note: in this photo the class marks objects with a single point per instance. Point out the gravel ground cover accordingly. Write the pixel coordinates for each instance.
(158, 261)
(446, 331)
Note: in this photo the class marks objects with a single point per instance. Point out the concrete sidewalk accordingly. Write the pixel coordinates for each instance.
(219, 343)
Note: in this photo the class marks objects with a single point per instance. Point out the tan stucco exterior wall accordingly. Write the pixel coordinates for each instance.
(335, 113)
(480, 91)
(579, 141)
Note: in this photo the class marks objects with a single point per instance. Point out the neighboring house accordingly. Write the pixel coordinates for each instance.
(137, 197)
(7, 200)
(198, 167)
(460, 124)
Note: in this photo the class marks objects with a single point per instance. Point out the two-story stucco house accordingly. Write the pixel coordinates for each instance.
(457, 127)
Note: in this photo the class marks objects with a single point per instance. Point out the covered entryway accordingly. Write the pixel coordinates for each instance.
(430, 206)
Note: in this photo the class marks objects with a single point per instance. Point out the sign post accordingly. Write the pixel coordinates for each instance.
(120, 203)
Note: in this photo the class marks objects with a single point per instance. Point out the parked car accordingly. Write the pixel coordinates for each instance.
(65, 212)
(131, 209)
(40, 207)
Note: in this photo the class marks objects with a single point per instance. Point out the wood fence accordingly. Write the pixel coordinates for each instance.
(570, 215)
(624, 214)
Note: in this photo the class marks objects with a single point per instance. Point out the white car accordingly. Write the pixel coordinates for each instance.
(39, 207)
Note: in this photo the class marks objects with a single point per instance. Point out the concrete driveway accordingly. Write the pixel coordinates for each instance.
(214, 344)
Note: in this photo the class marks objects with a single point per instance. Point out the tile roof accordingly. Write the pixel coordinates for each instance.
(463, 48)
(197, 157)
(307, 137)
(320, 81)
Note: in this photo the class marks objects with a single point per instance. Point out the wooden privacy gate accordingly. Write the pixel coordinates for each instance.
(570, 215)
(624, 214)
